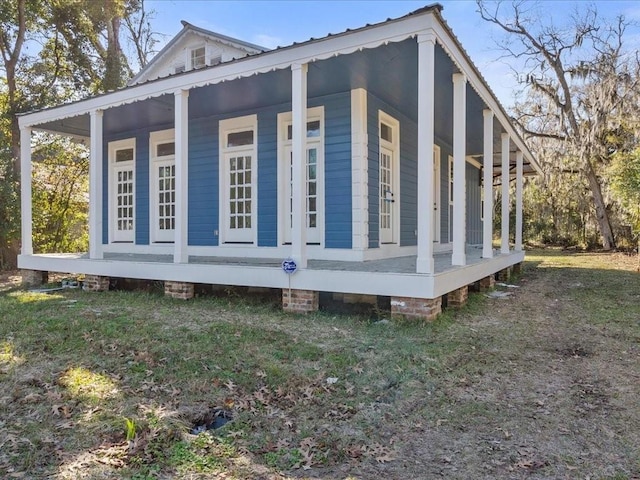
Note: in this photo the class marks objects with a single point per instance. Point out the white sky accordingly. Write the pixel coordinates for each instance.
(274, 23)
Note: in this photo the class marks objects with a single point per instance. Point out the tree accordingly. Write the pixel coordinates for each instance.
(581, 81)
(60, 200)
(75, 50)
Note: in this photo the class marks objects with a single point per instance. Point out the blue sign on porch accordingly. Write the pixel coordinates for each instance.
(289, 266)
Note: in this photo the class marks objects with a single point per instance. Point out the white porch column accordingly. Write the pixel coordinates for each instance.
(519, 175)
(504, 212)
(359, 170)
(426, 124)
(95, 185)
(299, 151)
(181, 125)
(26, 212)
(459, 256)
(487, 185)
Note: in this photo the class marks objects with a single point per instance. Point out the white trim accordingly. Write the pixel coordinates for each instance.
(519, 168)
(313, 236)
(452, 47)
(487, 185)
(299, 153)
(114, 167)
(344, 43)
(427, 228)
(372, 283)
(394, 148)
(26, 201)
(232, 125)
(181, 122)
(156, 138)
(359, 170)
(458, 257)
(504, 212)
(472, 161)
(95, 185)
(437, 211)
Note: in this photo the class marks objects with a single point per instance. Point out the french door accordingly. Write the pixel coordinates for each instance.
(165, 205)
(239, 227)
(387, 200)
(312, 192)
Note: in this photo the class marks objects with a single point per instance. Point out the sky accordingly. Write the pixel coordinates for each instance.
(280, 23)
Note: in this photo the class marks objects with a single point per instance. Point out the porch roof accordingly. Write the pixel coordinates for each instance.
(151, 100)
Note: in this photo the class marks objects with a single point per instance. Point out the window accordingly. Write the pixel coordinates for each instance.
(314, 172)
(165, 149)
(238, 139)
(386, 132)
(238, 153)
(122, 190)
(162, 202)
(198, 57)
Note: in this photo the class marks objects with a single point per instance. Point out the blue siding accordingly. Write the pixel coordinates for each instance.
(105, 191)
(373, 167)
(204, 173)
(337, 170)
(474, 205)
(203, 181)
(142, 187)
(408, 172)
(445, 195)
(268, 177)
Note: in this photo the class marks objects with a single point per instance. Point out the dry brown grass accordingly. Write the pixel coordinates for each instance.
(541, 384)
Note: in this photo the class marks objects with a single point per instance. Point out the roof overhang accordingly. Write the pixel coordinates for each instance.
(424, 21)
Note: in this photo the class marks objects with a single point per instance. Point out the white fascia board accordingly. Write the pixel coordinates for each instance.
(367, 283)
(458, 277)
(340, 44)
(450, 45)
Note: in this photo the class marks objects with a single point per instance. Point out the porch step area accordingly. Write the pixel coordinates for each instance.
(306, 301)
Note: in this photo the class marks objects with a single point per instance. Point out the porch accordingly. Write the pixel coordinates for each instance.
(394, 277)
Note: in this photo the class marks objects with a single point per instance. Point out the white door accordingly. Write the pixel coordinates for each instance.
(165, 205)
(162, 203)
(239, 199)
(436, 194)
(387, 200)
(313, 196)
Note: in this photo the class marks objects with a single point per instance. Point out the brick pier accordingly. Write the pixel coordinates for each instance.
(179, 290)
(416, 308)
(95, 283)
(300, 301)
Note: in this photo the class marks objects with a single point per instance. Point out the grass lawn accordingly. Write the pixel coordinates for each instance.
(544, 383)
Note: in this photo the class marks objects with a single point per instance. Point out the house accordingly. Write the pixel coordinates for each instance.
(366, 158)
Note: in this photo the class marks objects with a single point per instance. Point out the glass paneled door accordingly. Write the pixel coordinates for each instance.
(389, 178)
(311, 192)
(387, 200)
(313, 166)
(122, 194)
(240, 197)
(238, 151)
(163, 204)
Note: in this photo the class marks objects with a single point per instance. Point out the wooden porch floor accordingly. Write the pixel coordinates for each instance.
(406, 265)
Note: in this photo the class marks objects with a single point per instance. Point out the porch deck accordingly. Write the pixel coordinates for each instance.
(406, 264)
(389, 277)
